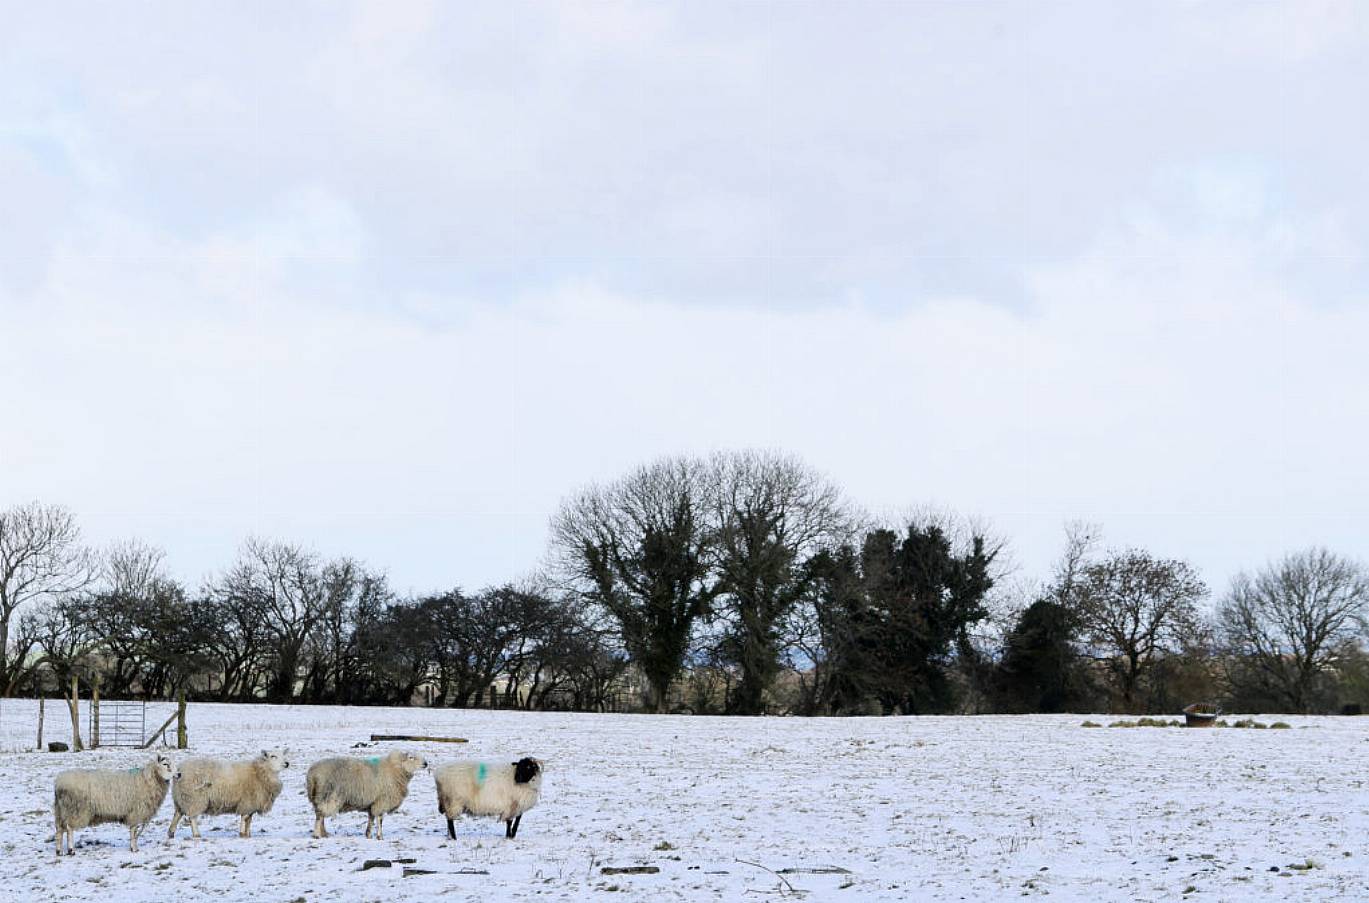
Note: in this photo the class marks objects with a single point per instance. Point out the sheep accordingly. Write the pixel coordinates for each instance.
(501, 791)
(89, 796)
(216, 787)
(375, 786)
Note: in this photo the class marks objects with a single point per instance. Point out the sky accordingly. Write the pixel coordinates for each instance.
(393, 279)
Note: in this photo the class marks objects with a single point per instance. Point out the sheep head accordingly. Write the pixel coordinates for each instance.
(276, 759)
(408, 762)
(525, 769)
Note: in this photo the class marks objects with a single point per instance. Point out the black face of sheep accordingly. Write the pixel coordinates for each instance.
(525, 770)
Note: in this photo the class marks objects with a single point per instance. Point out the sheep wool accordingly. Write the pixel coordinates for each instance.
(216, 787)
(483, 789)
(375, 786)
(89, 796)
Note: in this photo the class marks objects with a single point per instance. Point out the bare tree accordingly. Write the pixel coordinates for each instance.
(353, 596)
(60, 630)
(40, 558)
(1081, 541)
(151, 637)
(237, 638)
(770, 514)
(284, 586)
(1133, 607)
(131, 567)
(640, 549)
(476, 639)
(1291, 621)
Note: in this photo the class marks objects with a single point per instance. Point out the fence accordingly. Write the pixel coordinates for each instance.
(27, 724)
(117, 723)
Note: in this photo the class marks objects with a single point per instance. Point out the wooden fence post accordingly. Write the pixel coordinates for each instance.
(75, 704)
(95, 712)
(182, 735)
(41, 699)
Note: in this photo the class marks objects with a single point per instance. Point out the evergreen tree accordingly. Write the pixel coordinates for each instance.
(1039, 671)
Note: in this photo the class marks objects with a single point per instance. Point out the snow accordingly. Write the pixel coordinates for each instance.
(914, 808)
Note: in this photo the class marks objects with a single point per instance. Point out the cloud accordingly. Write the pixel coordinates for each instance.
(395, 281)
(1165, 383)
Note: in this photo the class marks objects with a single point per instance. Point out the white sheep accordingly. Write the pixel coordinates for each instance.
(499, 791)
(375, 786)
(216, 787)
(90, 796)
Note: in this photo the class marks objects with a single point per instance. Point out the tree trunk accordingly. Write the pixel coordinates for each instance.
(658, 687)
(5, 677)
(283, 684)
(758, 666)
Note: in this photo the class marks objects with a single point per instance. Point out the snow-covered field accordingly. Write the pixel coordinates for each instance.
(912, 809)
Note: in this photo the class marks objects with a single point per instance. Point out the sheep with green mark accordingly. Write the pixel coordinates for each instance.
(91, 796)
(375, 785)
(483, 789)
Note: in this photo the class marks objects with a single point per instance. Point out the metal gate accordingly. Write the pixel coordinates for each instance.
(121, 724)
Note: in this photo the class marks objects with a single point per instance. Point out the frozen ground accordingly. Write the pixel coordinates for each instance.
(913, 808)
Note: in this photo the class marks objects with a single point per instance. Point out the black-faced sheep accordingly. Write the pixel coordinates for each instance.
(90, 796)
(375, 786)
(500, 791)
(216, 787)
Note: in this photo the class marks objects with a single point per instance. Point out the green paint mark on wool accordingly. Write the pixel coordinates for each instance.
(480, 774)
(373, 761)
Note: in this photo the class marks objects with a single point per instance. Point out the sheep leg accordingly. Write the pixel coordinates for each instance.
(451, 829)
(175, 820)
(194, 826)
(133, 838)
(511, 827)
(380, 825)
(246, 830)
(370, 823)
(319, 829)
(59, 836)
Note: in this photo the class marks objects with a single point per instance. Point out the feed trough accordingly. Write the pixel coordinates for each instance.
(1201, 714)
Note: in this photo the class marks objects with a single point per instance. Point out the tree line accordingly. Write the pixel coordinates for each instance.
(740, 583)
(280, 624)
